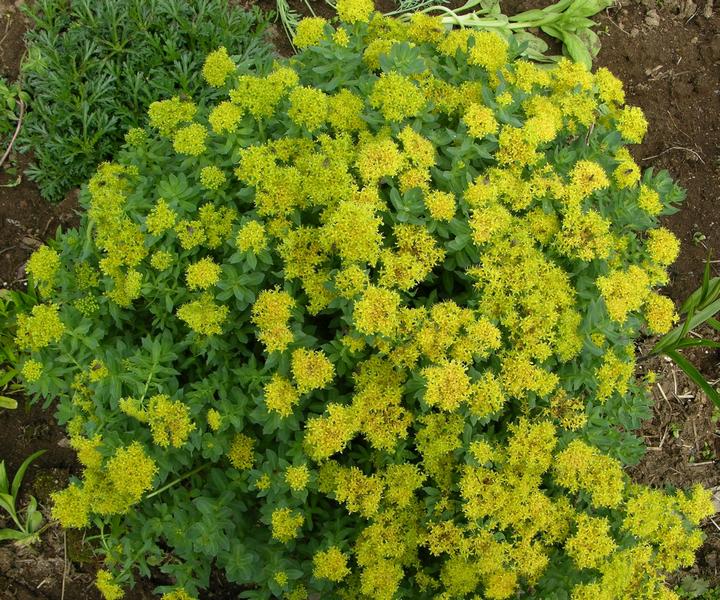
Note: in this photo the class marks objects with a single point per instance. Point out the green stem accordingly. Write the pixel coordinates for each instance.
(178, 480)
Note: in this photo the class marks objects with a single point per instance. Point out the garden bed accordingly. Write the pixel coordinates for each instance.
(669, 58)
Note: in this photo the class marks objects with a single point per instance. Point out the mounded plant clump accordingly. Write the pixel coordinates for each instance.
(365, 329)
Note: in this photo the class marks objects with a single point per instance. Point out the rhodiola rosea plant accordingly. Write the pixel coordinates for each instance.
(364, 329)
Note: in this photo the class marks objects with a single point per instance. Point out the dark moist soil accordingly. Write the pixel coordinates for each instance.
(668, 55)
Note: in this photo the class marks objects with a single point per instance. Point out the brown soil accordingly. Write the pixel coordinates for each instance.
(668, 55)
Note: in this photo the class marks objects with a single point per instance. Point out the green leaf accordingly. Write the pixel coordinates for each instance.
(576, 49)
(714, 323)
(17, 480)
(12, 534)
(695, 375)
(7, 502)
(4, 489)
(9, 403)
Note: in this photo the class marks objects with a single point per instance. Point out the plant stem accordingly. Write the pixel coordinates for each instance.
(178, 480)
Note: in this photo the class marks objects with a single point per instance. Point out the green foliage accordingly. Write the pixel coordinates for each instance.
(701, 308)
(567, 21)
(365, 328)
(94, 66)
(10, 95)
(29, 525)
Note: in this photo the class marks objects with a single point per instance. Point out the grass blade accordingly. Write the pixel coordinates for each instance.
(695, 375)
(17, 480)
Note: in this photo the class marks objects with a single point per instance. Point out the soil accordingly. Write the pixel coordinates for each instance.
(668, 54)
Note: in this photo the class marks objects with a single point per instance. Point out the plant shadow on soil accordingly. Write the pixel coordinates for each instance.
(668, 55)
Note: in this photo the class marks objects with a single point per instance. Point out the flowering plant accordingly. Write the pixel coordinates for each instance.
(365, 328)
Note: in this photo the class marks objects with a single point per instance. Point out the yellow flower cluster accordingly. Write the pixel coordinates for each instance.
(203, 274)
(39, 329)
(330, 564)
(311, 370)
(190, 140)
(169, 421)
(43, 265)
(203, 316)
(286, 524)
(241, 453)
(109, 490)
(271, 315)
(309, 32)
(218, 65)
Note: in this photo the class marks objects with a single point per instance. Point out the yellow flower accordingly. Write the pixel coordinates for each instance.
(324, 436)
(660, 314)
(203, 316)
(225, 117)
(591, 543)
(40, 329)
(624, 291)
(32, 370)
(162, 260)
(280, 395)
(419, 150)
(214, 419)
(106, 585)
(190, 140)
(43, 265)
(355, 11)
(212, 178)
(241, 453)
(663, 246)
(649, 201)
(218, 65)
(447, 386)
(489, 51)
(190, 234)
(330, 564)
(345, 111)
(160, 218)
(71, 507)
(632, 124)
(271, 315)
(341, 38)
(440, 205)
(610, 88)
(311, 370)
(309, 32)
(286, 524)
(380, 158)
(480, 120)
(203, 274)
(583, 467)
(397, 97)
(613, 375)
(627, 173)
(169, 421)
(308, 107)
(297, 477)
(354, 230)
(376, 313)
(179, 594)
(166, 115)
(251, 237)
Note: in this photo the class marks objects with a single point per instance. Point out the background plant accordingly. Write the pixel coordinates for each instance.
(12, 108)
(567, 21)
(94, 66)
(365, 327)
(701, 308)
(28, 525)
